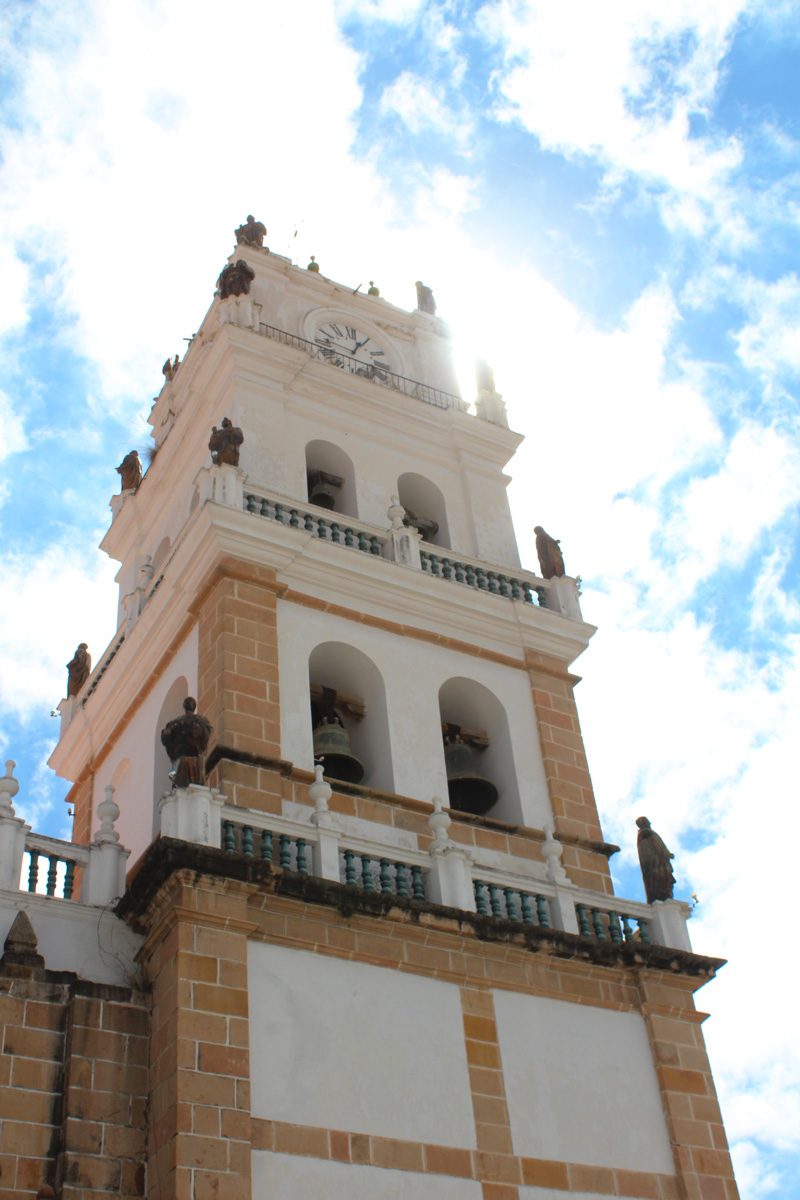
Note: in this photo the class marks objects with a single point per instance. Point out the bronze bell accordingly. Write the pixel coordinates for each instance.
(332, 745)
(323, 489)
(469, 791)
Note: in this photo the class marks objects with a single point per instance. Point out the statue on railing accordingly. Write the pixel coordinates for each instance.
(425, 300)
(79, 668)
(252, 233)
(130, 470)
(551, 560)
(185, 740)
(170, 369)
(235, 279)
(224, 443)
(655, 861)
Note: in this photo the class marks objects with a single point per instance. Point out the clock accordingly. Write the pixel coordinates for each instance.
(343, 345)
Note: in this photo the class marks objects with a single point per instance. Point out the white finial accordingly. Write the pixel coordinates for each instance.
(396, 513)
(107, 811)
(439, 823)
(320, 791)
(9, 786)
(551, 852)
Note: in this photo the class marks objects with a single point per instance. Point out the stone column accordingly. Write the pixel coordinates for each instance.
(195, 960)
(12, 832)
(450, 876)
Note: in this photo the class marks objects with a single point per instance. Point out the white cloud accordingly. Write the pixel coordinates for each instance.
(13, 440)
(421, 107)
(770, 344)
(621, 82)
(51, 600)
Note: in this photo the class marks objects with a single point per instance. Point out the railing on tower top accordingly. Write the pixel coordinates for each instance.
(345, 362)
(330, 526)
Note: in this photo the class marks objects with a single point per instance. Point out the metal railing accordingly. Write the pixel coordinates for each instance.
(378, 374)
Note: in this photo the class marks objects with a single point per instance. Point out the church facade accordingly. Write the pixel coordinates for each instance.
(349, 925)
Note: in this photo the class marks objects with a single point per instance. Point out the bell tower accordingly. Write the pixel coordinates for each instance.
(376, 915)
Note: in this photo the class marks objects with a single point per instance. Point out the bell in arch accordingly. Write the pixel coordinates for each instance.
(332, 745)
(469, 791)
(323, 489)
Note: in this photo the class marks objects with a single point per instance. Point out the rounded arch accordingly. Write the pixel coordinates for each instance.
(330, 472)
(422, 498)
(342, 667)
(471, 706)
(172, 706)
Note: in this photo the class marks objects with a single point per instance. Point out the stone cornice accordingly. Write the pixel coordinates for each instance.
(167, 856)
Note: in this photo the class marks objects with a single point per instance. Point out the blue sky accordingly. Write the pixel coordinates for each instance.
(605, 198)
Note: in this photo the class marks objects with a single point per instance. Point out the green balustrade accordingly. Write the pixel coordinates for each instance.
(247, 840)
(266, 846)
(294, 518)
(33, 871)
(285, 852)
(350, 868)
(417, 883)
(69, 879)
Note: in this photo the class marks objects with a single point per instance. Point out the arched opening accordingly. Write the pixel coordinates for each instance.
(425, 508)
(330, 478)
(172, 706)
(472, 716)
(357, 684)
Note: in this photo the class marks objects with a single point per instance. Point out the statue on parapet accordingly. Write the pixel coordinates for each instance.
(655, 861)
(170, 369)
(79, 668)
(224, 443)
(185, 740)
(425, 300)
(251, 233)
(484, 377)
(551, 560)
(235, 279)
(130, 471)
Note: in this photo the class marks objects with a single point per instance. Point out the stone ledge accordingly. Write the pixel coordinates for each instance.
(168, 856)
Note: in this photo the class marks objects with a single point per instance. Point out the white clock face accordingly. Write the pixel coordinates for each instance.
(340, 341)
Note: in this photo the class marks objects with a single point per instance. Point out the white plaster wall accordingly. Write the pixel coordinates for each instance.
(92, 942)
(134, 792)
(413, 672)
(581, 1084)
(346, 1045)
(288, 1177)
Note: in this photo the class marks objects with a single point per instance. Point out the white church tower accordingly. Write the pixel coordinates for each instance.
(405, 972)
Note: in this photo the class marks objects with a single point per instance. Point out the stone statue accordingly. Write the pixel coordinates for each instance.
(654, 860)
(425, 300)
(235, 279)
(551, 561)
(79, 668)
(130, 469)
(224, 443)
(252, 233)
(170, 369)
(185, 740)
(485, 376)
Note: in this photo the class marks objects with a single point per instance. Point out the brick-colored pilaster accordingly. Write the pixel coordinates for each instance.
(496, 1166)
(566, 769)
(700, 1147)
(196, 961)
(238, 659)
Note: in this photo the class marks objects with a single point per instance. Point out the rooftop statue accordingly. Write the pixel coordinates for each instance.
(79, 668)
(252, 233)
(372, 290)
(655, 860)
(170, 369)
(235, 279)
(551, 560)
(130, 470)
(185, 740)
(425, 300)
(485, 376)
(224, 443)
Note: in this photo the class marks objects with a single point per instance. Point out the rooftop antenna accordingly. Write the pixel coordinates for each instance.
(357, 289)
